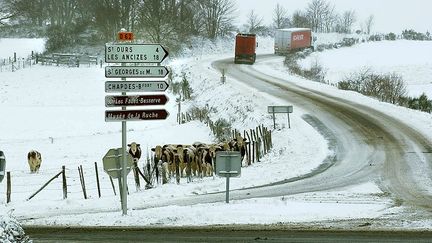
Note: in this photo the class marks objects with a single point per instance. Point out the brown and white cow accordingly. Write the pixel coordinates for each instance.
(187, 158)
(34, 159)
(164, 155)
(135, 151)
(239, 144)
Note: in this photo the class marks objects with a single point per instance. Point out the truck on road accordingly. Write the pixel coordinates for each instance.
(292, 39)
(245, 48)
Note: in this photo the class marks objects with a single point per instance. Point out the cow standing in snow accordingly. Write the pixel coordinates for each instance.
(135, 151)
(163, 157)
(34, 159)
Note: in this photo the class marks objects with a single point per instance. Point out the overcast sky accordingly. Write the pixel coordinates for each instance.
(390, 15)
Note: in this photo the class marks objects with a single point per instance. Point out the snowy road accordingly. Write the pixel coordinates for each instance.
(369, 145)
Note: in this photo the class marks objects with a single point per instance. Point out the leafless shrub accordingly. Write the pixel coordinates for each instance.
(386, 87)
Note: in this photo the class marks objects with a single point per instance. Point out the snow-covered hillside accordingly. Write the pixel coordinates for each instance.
(410, 59)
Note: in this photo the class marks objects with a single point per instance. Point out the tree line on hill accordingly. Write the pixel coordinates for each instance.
(161, 21)
(69, 22)
(171, 22)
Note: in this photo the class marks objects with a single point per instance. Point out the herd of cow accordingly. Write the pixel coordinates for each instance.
(197, 159)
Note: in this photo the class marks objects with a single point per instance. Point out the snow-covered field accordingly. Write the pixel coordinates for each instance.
(410, 59)
(22, 47)
(59, 111)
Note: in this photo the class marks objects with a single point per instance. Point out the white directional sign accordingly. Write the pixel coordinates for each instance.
(135, 86)
(134, 53)
(136, 71)
(280, 109)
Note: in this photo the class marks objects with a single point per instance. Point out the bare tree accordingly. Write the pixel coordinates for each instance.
(33, 12)
(61, 12)
(155, 19)
(329, 19)
(347, 21)
(254, 22)
(6, 11)
(218, 17)
(316, 12)
(280, 17)
(300, 20)
(369, 23)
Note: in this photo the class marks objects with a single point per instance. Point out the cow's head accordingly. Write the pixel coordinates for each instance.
(213, 148)
(158, 151)
(240, 141)
(133, 147)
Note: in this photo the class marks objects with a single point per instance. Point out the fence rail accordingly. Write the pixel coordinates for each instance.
(70, 60)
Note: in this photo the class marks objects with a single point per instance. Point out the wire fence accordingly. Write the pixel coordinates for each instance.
(12, 64)
(22, 188)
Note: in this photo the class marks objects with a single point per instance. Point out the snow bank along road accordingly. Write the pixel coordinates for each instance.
(368, 144)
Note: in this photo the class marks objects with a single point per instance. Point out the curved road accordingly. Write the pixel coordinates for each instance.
(401, 156)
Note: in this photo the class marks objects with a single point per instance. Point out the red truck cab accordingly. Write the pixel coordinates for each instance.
(245, 48)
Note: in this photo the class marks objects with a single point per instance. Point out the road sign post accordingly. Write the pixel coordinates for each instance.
(280, 109)
(228, 164)
(115, 164)
(127, 52)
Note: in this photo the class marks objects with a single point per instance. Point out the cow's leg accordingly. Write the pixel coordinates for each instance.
(194, 168)
(165, 173)
(212, 166)
(32, 166)
(171, 170)
(199, 163)
(208, 168)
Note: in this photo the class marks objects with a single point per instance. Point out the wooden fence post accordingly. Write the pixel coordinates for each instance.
(112, 184)
(46, 184)
(8, 191)
(258, 142)
(266, 141)
(248, 150)
(255, 135)
(81, 174)
(64, 182)
(143, 176)
(253, 145)
(271, 139)
(97, 179)
(262, 135)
